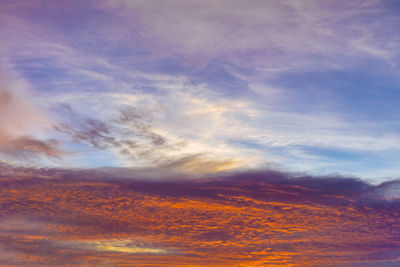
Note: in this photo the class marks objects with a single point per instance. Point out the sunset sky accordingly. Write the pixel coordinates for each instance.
(199, 133)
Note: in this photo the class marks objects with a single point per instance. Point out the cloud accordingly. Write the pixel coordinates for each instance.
(249, 218)
(199, 164)
(122, 246)
(129, 133)
(18, 112)
(131, 116)
(273, 35)
(132, 137)
(26, 147)
(188, 86)
(183, 120)
(20, 117)
(289, 34)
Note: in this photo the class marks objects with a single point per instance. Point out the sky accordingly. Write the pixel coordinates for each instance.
(304, 86)
(104, 101)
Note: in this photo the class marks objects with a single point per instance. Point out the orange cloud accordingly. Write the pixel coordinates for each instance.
(217, 222)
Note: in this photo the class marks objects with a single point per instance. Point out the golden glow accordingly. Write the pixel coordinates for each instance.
(93, 221)
(124, 246)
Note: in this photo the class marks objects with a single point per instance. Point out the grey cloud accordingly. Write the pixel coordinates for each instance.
(135, 118)
(129, 132)
(27, 146)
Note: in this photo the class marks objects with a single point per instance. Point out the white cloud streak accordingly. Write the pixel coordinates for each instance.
(282, 35)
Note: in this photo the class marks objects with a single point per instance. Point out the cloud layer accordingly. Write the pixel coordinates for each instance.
(257, 218)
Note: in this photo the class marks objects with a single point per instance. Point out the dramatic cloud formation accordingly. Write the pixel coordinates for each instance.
(199, 133)
(256, 218)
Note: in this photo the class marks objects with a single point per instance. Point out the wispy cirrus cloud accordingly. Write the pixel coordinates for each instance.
(242, 98)
(132, 138)
(309, 33)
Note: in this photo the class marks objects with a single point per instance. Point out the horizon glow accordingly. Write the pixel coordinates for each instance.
(234, 110)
